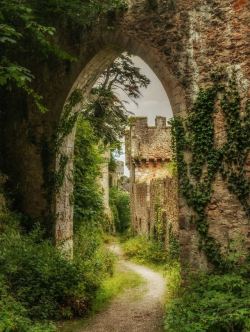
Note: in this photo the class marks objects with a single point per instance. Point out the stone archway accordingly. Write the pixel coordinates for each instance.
(183, 42)
(114, 45)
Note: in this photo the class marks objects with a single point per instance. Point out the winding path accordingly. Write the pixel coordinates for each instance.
(136, 310)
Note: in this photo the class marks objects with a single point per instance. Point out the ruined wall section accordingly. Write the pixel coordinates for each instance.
(183, 41)
(164, 208)
(104, 182)
(153, 187)
(116, 175)
(150, 143)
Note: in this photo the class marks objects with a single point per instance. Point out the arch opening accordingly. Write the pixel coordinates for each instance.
(85, 81)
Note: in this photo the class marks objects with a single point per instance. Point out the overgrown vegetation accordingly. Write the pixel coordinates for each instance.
(28, 27)
(120, 206)
(88, 205)
(218, 301)
(195, 135)
(211, 303)
(39, 284)
(145, 251)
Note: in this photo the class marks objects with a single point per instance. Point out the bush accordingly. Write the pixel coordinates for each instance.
(93, 259)
(120, 205)
(145, 250)
(14, 317)
(38, 276)
(218, 303)
(88, 159)
(39, 284)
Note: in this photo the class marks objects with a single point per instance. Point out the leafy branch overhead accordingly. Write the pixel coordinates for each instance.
(27, 30)
(105, 108)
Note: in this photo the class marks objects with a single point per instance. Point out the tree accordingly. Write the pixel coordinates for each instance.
(19, 30)
(27, 31)
(105, 111)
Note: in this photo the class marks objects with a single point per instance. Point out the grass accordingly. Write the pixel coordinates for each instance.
(114, 286)
(143, 251)
(147, 252)
(111, 287)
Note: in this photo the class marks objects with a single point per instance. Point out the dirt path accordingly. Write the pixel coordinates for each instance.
(137, 310)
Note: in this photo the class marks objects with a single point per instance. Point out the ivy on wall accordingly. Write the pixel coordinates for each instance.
(164, 233)
(195, 136)
(52, 147)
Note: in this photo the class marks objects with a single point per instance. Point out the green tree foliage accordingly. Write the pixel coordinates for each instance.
(105, 110)
(218, 303)
(88, 204)
(27, 31)
(120, 205)
(76, 13)
(19, 33)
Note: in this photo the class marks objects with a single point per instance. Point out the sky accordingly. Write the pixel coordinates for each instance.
(153, 102)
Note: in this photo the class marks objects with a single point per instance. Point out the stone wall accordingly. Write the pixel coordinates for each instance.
(104, 183)
(164, 206)
(115, 176)
(154, 199)
(183, 41)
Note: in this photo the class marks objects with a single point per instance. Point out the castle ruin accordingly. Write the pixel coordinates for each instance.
(153, 184)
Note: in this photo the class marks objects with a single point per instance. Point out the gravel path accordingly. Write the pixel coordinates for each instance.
(136, 310)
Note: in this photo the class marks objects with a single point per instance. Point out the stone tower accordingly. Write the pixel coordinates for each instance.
(153, 187)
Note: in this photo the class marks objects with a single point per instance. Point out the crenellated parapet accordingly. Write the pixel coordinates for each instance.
(153, 188)
(148, 145)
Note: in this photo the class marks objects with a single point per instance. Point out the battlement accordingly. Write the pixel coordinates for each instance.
(146, 143)
(142, 122)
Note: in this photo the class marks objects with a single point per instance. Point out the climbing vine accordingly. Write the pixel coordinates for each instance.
(68, 119)
(195, 136)
(164, 232)
(159, 224)
(51, 148)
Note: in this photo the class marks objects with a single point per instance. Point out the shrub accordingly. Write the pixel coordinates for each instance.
(93, 259)
(120, 205)
(145, 250)
(37, 274)
(40, 284)
(218, 303)
(88, 159)
(14, 317)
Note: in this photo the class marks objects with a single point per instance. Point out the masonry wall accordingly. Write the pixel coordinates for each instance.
(183, 41)
(164, 206)
(104, 183)
(154, 198)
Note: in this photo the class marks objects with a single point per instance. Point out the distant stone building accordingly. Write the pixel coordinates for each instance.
(116, 175)
(110, 178)
(153, 185)
(104, 182)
